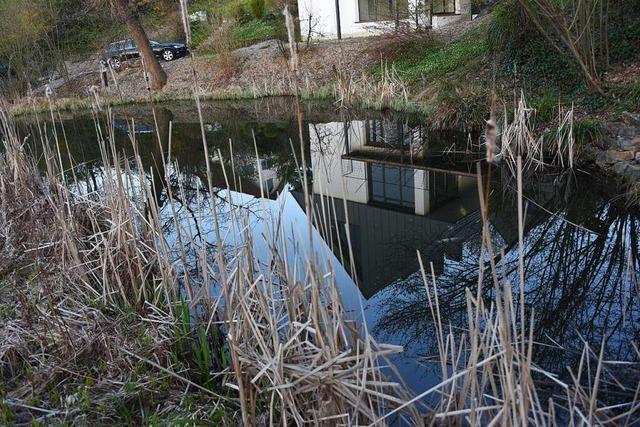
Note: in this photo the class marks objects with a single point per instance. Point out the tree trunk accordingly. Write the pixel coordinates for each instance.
(155, 70)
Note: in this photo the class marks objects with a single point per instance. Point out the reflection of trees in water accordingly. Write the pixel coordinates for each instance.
(180, 171)
(577, 282)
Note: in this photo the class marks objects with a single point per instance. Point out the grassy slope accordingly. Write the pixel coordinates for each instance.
(453, 81)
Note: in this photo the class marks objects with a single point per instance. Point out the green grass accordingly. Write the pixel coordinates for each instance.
(589, 132)
(252, 32)
(436, 62)
(617, 98)
(199, 33)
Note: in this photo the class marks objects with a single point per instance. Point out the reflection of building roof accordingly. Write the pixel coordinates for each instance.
(453, 163)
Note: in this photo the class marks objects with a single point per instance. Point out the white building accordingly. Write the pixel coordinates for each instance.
(357, 18)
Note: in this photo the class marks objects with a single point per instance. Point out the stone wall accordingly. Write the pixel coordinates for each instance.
(621, 154)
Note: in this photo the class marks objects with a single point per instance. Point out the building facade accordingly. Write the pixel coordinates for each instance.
(360, 18)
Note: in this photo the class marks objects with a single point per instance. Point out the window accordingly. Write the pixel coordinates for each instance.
(266, 164)
(270, 186)
(443, 188)
(387, 133)
(374, 132)
(443, 7)
(383, 10)
(392, 185)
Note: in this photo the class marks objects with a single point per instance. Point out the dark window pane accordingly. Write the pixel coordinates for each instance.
(444, 6)
(392, 191)
(392, 175)
(377, 191)
(408, 196)
(392, 185)
(377, 173)
(383, 10)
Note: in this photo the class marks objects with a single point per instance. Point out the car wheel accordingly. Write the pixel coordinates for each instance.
(168, 55)
(115, 63)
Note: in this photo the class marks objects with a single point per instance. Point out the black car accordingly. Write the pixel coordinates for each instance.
(118, 52)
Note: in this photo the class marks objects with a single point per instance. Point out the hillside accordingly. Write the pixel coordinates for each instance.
(449, 74)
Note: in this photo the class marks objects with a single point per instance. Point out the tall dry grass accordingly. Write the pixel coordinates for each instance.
(88, 292)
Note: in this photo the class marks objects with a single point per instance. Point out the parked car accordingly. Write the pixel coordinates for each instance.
(117, 53)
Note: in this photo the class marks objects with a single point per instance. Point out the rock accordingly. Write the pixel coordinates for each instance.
(614, 156)
(632, 172)
(623, 136)
(631, 119)
(618, 130)
(601, 158)
(628, 170)
(629, 144)
(620, 167)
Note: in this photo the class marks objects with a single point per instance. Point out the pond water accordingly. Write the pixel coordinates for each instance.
(393, 187)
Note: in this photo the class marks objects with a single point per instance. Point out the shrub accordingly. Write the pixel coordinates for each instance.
(237, 10)
(546, 106)
(199, 33)
(588, 132)
(508, 25)
(624, 39)
(618, 97)
(253, 32)
(526, 52)
(438, 62)
(258, 8)
(594, 102)
(457, 105)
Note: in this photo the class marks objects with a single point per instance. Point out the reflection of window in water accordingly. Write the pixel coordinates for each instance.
(266, 164)
(443, 187)
(347, 167)
(269, 185)
(392, 185)
(383, 10)
(389, 133)
(374, 132)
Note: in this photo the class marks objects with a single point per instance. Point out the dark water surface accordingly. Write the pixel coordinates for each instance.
(399, 188)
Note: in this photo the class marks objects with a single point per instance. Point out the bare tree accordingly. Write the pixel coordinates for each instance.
(581, 28)
(129, 13)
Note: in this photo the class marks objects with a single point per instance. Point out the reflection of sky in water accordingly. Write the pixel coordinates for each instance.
(401, 195)
(398, 313)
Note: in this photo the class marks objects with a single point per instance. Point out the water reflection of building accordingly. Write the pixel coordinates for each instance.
(401, 194)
